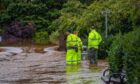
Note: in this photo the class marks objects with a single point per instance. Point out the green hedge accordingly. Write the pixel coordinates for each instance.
(115, 53)
(41, 37)
(54, 38)
(131, 47)
(125, 51)
(38, 13)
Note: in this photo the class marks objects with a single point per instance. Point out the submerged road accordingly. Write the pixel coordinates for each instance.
(45, 68)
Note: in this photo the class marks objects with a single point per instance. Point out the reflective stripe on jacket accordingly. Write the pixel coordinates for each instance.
(94, 39)
(71, 55)
(72, 40)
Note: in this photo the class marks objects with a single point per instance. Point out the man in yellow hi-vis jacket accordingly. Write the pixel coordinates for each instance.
(80, 46)
(72, 48)
(94, 39)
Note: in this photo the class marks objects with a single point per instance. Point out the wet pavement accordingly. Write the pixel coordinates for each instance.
(46, 68)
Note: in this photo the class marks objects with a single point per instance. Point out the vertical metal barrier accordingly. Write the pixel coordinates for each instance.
(85, 53)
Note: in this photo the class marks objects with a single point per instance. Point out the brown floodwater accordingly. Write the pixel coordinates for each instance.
(45, 68)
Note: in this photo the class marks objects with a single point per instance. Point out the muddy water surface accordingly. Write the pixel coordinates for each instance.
(45, 68)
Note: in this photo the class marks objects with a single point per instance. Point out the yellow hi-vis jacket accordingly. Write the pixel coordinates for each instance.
(71, 55)
(80, 46)
(94, 39)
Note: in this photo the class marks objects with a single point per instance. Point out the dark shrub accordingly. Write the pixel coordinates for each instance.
(18, 30)
(104, 47)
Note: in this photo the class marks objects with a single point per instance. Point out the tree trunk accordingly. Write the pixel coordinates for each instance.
(62, 42)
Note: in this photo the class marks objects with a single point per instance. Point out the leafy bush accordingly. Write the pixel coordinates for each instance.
(124, 54)
(41, 37)
(29, 12)
(116, 55)
(4, 19)
(104, 46)
(54, 37)
(39, 12)
(26, 9)
(131, 46)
